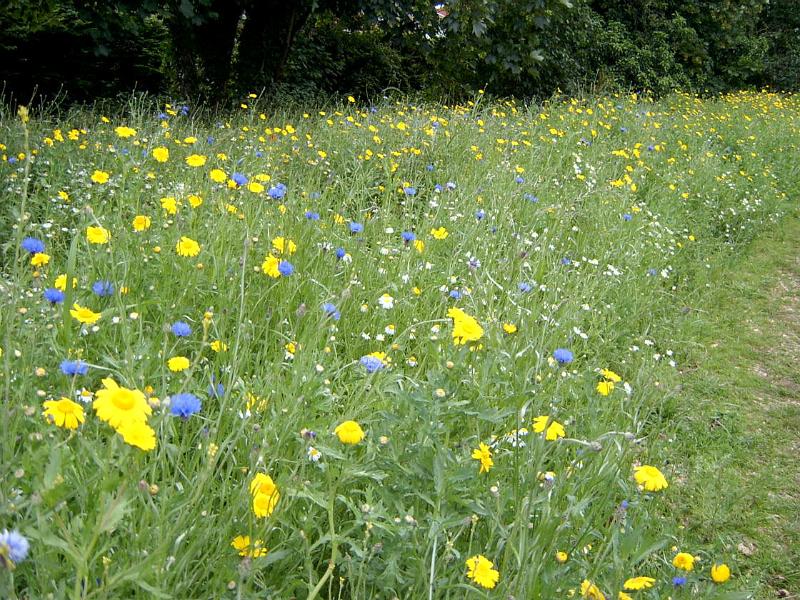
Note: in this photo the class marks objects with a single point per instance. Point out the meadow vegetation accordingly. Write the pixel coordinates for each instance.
(405, 350)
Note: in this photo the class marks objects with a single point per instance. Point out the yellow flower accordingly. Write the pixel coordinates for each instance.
(196, 160)
(255, 187)
(610, 375)
(604, 388)
(683, 560)
(484, 454)
(554, 430)
(97, 235)
(720, 573)
(561, 557)
(161, 154)
(141, 223)
(138, 434)
(84, 315)
(624, 596)
(465, 328)
(187, 247)
(194, 200)
(419, 246)
(591, 591)
(242, 544)
(64, 413)
(281, 245)
(218, 175)
(349, 432)
(169, 204)
(270, 266)
(639, 583)
(125, 132)
(481, 570)
(100, 176)
(219, 346)
(177, 364)
(118, 406)
(61, 282)
(265, 495)
(40, 259)
(509, 328)
(440, 233)
(650, 478)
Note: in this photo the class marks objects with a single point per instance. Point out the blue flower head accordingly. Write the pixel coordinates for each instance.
(312, 216)
(525, 287)
(566, 261)
(285, 268)
(652, 272)
(259, 154)
(371, 363)
(216, 390)
(356, 227)
(13, 545)
(239, 178)
(184, 405)
(563, 356)
(455, 294)
(429, 168)
(103, 288)
(74, 367)
(408, 236)
(340, 253)
(519, 179)
(54, 296)
(184, 110)
(209, 140)
(331, 311)
(438, 187)
(678, 581)
(277, 191)
(627, 217)
(32, 245)
(480, 214)
(181, 329)
(451, 185)
(530, 197)
(410, 191)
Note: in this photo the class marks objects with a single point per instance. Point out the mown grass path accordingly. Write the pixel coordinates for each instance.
(737, 447)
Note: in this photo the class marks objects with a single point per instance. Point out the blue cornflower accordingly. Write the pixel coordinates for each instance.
(277, 191)
(530, 197)
(259, 154)
(519, 179)
(216, 389)
(331, 311)
(285, 268)
(624, 505)
(371, 363)
(184, 405)
(184, 110)
(525, 287)
(455, 294)
(239, 178)
(679, 581)
(12, 160)
(181, 329)
(627, 217)
(340, 253)
(74, 367)
(650, 148)
(451, 185)
(312, 216)
(566, 261)
(54, 296)
(103, 288)
(163, 116)
(356, 227)
(438, 187)
(32, 245)
(479, 214)
(209, 140)
(429, 168)
(408, 236)
(623, 129)
(13, 545)
(563, 356)
(410, 191)
(652, 272)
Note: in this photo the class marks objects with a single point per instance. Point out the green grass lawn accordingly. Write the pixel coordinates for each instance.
(401, 351)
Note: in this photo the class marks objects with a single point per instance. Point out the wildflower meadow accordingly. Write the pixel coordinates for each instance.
(401, 350)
